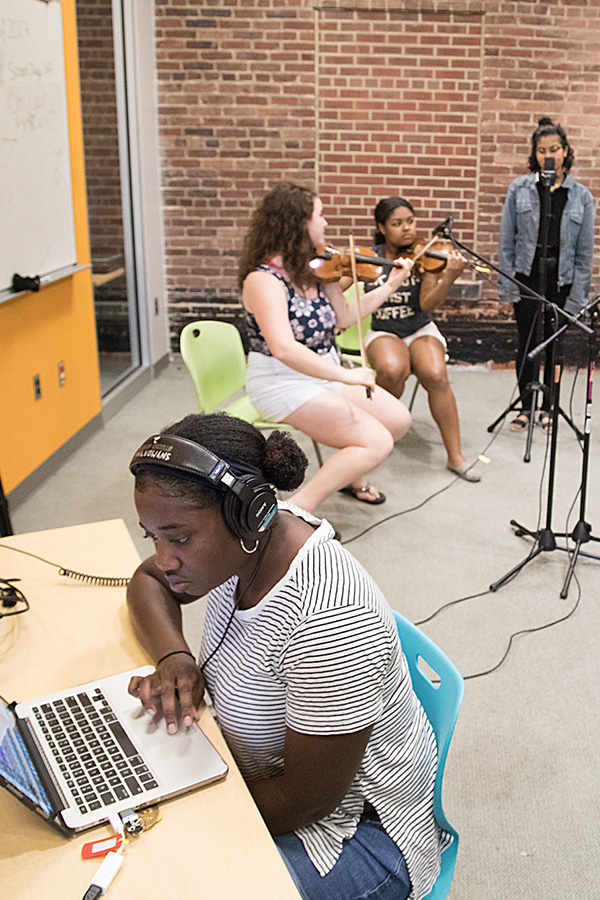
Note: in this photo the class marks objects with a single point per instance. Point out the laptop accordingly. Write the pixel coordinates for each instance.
(78, 756)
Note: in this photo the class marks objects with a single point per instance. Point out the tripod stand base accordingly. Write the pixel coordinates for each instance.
(545, 539)
(509, 575)
(534, 389)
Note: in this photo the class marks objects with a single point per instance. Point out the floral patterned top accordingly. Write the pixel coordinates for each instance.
(312, 319)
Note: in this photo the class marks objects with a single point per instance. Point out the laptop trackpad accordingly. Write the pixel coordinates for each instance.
(190, 751)
(145, 727)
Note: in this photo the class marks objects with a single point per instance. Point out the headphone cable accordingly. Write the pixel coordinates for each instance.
(237, 603)
(98, 580)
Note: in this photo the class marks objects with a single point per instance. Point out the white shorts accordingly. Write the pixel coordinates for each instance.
(276, 390)
(429, 330)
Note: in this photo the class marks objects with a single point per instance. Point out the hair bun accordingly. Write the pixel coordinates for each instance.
(284, 462)
(545, 120)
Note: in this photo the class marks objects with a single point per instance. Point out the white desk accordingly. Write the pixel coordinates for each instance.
(211, 843)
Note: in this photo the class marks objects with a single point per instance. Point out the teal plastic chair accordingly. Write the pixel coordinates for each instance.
(214, 355)
(441, 701)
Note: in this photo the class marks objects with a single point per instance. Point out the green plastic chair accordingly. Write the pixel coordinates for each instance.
(214, 355)
(348, 344)
(441, 701)
(347, 341)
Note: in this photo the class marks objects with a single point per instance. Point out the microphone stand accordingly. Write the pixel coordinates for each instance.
(547, 304)
(535, 387)
(582, 533)
(545, 538)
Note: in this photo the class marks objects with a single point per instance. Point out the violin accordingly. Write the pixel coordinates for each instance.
(432, 255)
(331, 264)
(428, 256)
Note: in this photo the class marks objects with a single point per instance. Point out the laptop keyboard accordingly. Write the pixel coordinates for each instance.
(93, 751)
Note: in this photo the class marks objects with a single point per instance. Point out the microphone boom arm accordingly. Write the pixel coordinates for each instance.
(523, 287)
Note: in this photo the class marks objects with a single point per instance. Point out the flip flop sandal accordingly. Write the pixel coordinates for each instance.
(464, 471)
(359, 494)
(519, 423)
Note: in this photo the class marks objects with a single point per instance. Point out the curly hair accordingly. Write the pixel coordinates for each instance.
(279, 226)
(383, 211)
(278, 458)
(547, 126)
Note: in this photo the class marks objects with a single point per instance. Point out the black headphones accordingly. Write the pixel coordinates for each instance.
(249, 504)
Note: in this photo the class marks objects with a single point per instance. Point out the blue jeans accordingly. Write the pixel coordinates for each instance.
(370, 867)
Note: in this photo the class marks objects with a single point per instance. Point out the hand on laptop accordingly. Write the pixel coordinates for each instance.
(174, 691)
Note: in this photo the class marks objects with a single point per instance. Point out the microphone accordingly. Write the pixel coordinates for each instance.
(446, 225)
(548, 175)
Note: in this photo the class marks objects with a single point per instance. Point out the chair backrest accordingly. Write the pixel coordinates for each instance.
(214, 355)
(347, 341)
(440, 692)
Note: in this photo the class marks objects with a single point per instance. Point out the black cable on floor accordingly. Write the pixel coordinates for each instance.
(528, 631)
(525, 630)
(420, 505)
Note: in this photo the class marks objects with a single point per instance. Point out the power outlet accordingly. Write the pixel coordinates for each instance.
(37, 387)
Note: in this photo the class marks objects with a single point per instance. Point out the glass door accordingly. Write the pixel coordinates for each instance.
(108, 170)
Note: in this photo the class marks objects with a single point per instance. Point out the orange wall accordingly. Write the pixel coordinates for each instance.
(56, 324)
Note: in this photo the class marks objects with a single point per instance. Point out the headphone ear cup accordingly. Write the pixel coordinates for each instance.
(231, 513)
(249, 514)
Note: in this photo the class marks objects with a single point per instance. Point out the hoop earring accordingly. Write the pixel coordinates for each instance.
(245, 549)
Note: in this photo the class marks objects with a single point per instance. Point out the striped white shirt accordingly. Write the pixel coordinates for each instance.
(320, 653)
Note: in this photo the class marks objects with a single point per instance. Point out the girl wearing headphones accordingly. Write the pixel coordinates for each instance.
(299, 653)
(294, 373)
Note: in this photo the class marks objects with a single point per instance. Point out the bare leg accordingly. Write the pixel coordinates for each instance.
(390, 358)
(363, 431)
(429, 365)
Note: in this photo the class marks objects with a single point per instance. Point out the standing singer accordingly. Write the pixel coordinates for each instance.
(568, 256)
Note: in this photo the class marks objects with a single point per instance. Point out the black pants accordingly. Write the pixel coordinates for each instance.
(526, 312)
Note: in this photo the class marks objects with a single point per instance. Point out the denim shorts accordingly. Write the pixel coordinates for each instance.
(370, 866)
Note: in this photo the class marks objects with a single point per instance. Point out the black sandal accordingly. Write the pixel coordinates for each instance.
(520, 422)
(546, 422)
(358, 494)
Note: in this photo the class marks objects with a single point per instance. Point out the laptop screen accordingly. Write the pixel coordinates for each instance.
(16, 766)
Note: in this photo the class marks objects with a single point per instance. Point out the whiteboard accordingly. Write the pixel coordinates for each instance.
(37, 235)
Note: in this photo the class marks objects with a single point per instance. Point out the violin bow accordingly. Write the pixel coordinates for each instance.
(361, 343)
(426, 247)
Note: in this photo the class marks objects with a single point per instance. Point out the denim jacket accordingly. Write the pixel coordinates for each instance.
(519, 230)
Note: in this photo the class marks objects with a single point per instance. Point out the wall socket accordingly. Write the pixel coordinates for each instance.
(37, 388)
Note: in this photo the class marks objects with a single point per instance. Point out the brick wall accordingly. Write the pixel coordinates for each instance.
(99, 111)
(435, 100)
